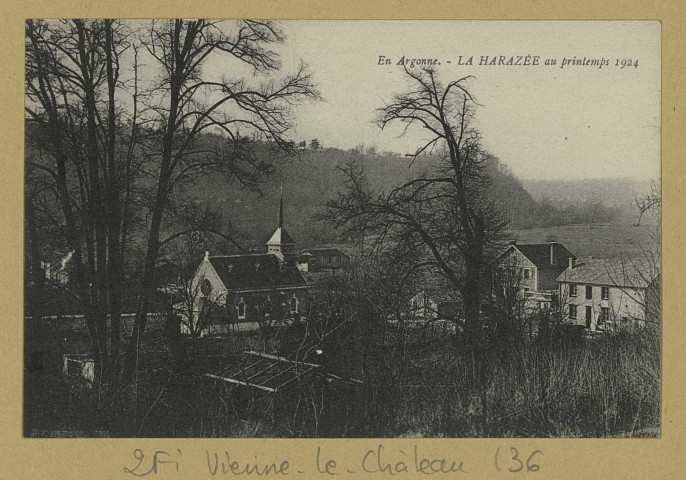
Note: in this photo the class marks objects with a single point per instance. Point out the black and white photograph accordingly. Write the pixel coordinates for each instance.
(342, 229)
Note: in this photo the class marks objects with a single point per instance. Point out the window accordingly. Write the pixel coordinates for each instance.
(294, 304)
(573, 290)
(604, 314)
(589, 292)
(527, 273)
(572, 311)
(605, 293)
(526, 289)
(589, 316)
(241, 309)
(206, 287)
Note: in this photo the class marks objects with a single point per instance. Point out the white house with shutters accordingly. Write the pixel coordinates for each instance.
(606, 293)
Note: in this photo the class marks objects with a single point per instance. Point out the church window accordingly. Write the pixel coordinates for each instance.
(294, 304)
(241, 309)
(206, 287)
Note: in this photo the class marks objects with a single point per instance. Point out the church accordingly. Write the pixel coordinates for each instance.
(246, 291)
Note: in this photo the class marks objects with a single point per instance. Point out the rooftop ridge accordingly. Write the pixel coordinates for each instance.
(237, 255)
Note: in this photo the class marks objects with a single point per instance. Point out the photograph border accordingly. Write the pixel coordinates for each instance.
(604, 458)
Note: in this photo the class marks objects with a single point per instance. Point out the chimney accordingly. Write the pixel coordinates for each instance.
(571, 263)
(207, 254)
(513, 242)
(552, 256)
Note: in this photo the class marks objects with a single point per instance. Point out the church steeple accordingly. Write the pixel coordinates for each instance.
(281, 208)
(281, 243)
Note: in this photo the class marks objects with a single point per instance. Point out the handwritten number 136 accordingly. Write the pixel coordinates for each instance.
(518, 465)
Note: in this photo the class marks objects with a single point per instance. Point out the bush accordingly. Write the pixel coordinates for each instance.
(416, 383)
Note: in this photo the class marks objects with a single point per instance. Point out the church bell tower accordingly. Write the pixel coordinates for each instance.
(281, 244)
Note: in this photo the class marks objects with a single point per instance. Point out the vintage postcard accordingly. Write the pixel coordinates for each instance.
(341, 229)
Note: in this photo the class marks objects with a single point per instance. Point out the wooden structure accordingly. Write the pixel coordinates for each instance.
(271, 374)
(265, 372)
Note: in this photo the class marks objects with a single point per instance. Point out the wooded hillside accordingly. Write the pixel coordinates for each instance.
(311, 179)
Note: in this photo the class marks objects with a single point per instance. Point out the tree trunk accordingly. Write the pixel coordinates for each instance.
(147, 287)
(148, 281)
(473, 279)
(96, 214)
(472, 294)
(113, 206)
(37, 277)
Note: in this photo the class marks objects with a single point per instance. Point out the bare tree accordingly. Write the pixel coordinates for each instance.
(645, 268)
(74, 124)
(184, 105)
(650, 202)
(195, 307)
(444, 216)
(508, 300)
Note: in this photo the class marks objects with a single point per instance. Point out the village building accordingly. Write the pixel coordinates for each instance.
(603, 294)
(58, 270)
(247, 291)
(315, 260)
(431, 299)
(533, 269)
(423, 306)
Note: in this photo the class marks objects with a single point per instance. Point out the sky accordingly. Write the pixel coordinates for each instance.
(544, 122)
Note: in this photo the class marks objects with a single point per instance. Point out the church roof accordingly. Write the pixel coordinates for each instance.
(256, 272)
(280, 237)
(323, 251)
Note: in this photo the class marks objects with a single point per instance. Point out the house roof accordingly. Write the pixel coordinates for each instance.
(323, 251)
(619, 272)
(256, 272)
(280, 236)
(539, 254)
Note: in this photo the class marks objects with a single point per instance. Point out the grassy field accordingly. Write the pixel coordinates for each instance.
(593, 240)
(600, 241)
(604, 386)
